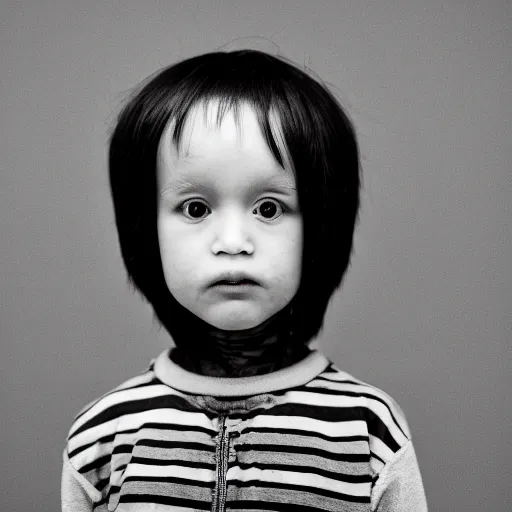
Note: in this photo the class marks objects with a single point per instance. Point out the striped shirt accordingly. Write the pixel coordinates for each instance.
(309, 437)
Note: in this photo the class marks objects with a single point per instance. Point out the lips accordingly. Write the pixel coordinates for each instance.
(234, 279)
(242, 281)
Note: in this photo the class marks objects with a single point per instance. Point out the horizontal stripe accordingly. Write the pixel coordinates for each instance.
(290, 480)
(142, 470)
(165, 500)
(137, 420)
(337, 445)
(370, 394)
(307, 434)
(328, 429)
(150, 429)
(132, 406)
(316, 446)
(143, 380)
(304, 469)
(352, 457)
(187, 460)
(177, 487)
(314, 462)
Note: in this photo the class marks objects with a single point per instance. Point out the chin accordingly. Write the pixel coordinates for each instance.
(235, 324)
(234, 321)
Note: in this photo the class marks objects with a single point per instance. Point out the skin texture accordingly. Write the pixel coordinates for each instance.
(240, 215)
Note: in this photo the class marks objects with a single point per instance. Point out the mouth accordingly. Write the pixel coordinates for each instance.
(238, 282)
(234, 279)
(241, 287)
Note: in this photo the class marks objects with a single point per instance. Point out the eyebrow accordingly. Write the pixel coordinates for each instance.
(183, 185)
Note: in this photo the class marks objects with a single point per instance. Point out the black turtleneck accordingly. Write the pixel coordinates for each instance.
(206, 350)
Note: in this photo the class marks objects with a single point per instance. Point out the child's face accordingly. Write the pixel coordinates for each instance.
(240, 214)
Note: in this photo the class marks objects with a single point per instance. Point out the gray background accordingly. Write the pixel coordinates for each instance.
(425, 309)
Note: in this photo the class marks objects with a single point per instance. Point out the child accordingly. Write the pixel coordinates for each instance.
(235, 183)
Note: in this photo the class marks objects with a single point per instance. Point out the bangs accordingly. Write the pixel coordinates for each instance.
(285, 101)
(214, 112)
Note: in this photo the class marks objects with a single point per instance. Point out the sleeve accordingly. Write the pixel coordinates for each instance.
(399, 487)
(77, 493)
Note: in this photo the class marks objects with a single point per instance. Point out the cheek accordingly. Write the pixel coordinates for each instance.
(178, 269)
(287, 258)
(177, 259)
(297, 255)
(294, 245)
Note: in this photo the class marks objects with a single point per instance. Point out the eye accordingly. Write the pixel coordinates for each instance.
(268, 208)
(195, 208)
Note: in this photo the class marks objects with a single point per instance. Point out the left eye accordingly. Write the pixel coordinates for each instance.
(192, 211)
(268, 208)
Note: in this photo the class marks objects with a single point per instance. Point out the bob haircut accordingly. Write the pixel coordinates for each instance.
(319, 141)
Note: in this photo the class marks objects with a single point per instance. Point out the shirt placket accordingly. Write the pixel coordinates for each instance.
(222, 458)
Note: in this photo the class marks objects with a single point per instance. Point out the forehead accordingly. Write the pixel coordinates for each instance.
(206, 126)
(210, 135)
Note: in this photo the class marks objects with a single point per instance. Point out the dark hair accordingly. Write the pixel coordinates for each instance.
(320, 142)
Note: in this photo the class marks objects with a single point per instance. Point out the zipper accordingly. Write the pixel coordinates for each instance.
(222, 457)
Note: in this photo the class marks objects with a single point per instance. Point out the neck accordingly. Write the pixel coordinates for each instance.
(206, 350)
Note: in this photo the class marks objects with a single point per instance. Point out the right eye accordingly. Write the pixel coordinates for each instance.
(195, 208)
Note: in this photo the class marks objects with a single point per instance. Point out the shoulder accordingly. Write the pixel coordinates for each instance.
(90, 440)
(122, 393)
(386, 424)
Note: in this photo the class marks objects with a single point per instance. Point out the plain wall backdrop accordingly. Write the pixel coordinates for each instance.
(425, 309)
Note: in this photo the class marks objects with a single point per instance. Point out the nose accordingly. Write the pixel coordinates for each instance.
(232, 235)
